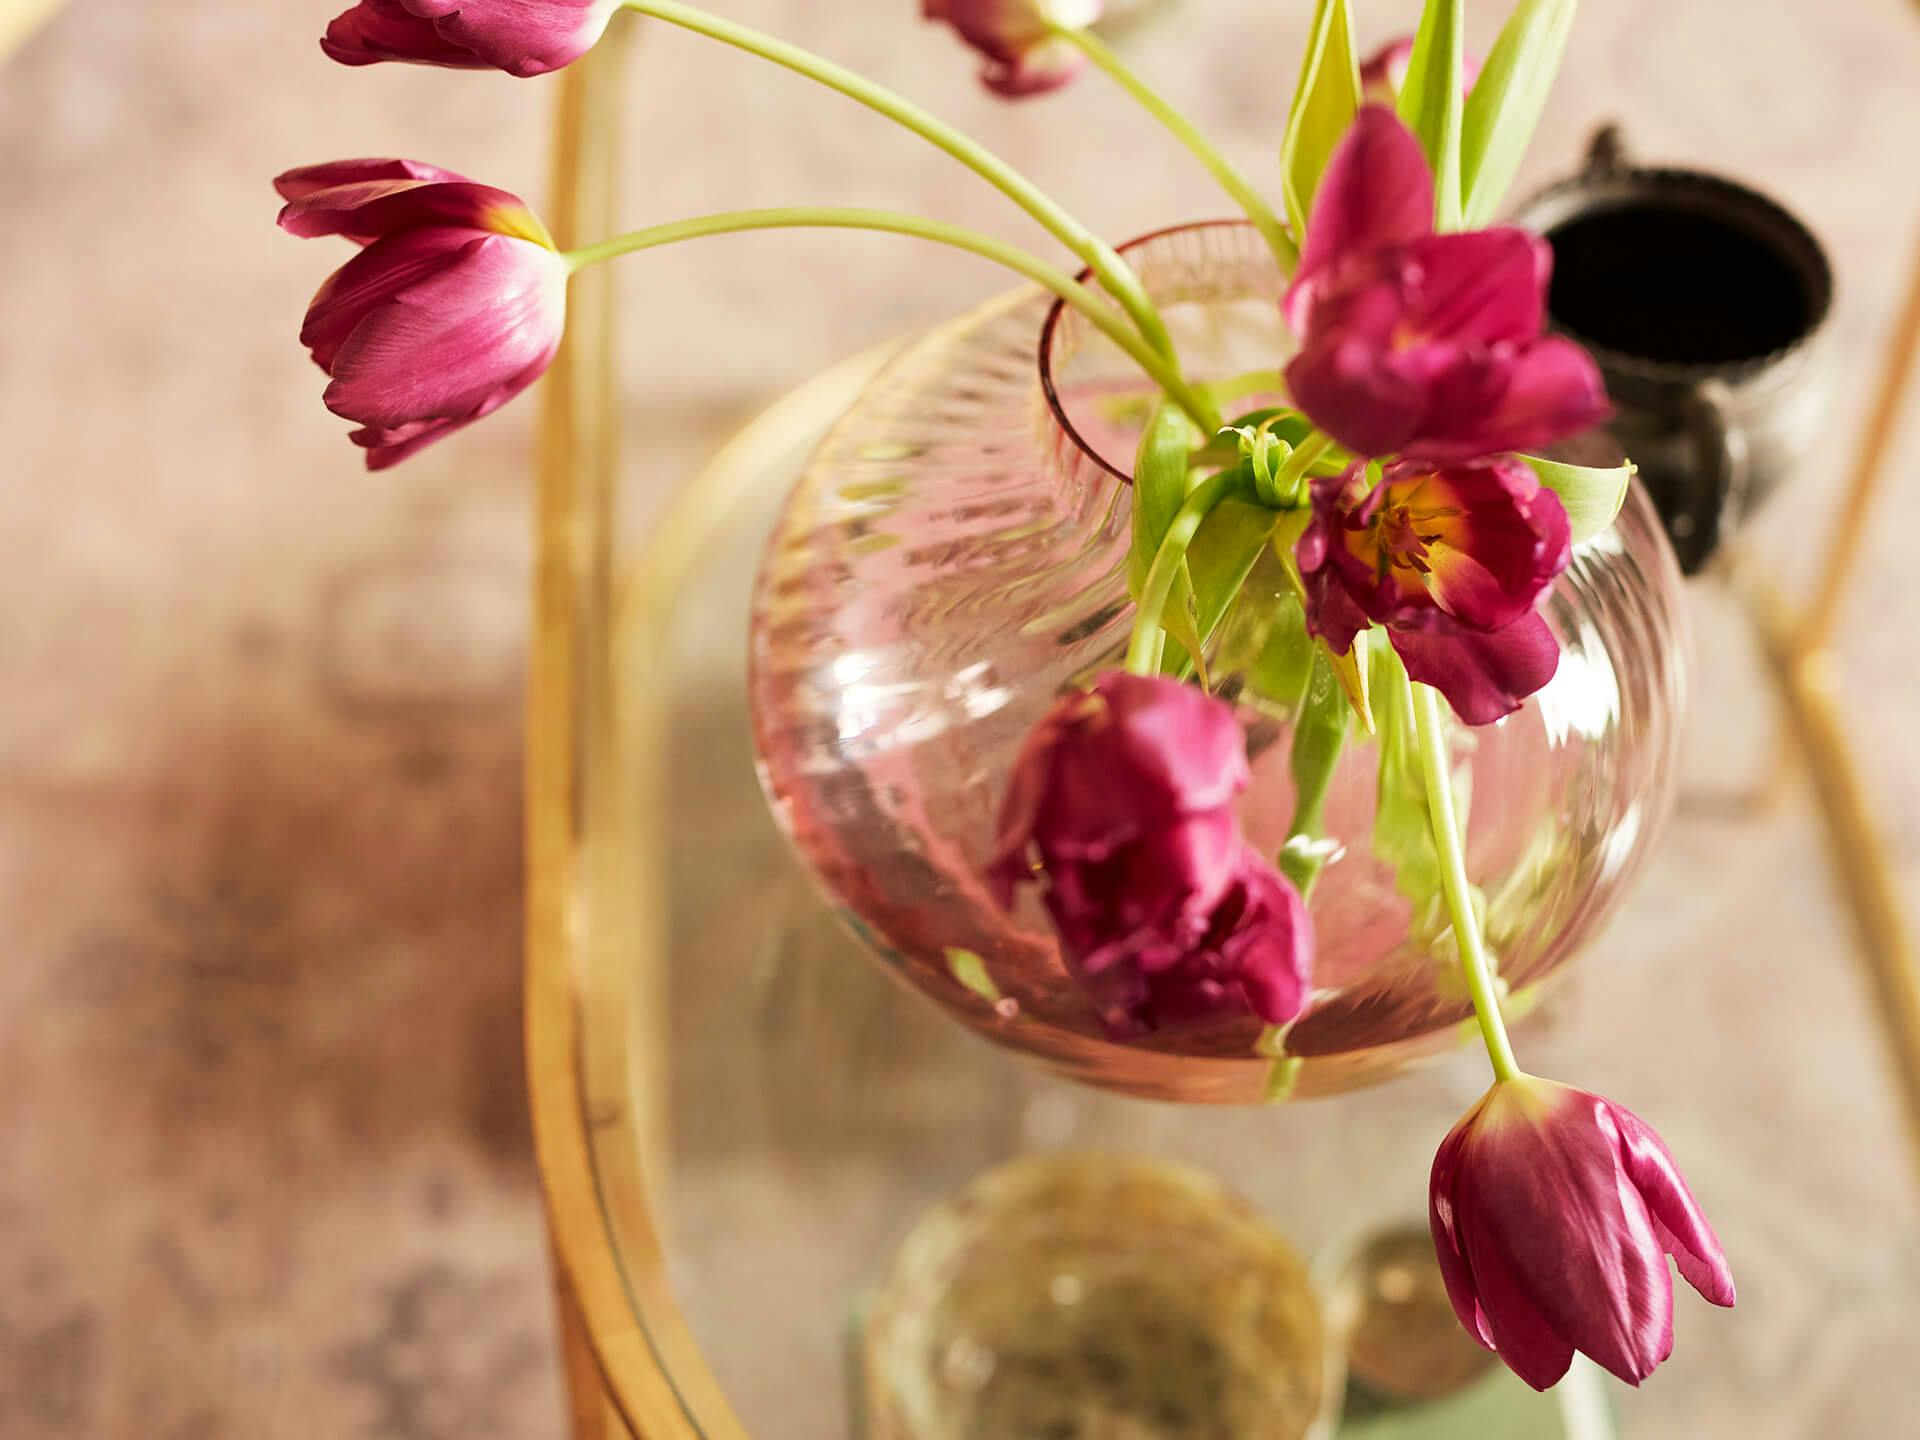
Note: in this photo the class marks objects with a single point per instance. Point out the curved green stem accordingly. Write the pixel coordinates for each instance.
(1097, 311)
(1143, 652)
(1188, 134)
(1113, 272)
(1453, 880)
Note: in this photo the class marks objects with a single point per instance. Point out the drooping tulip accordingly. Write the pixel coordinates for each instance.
(1164, 913)
(521, 37)
(1425, 344)
(1022, 54)
(455, 305)
(1452, 560)
(1554, 1212)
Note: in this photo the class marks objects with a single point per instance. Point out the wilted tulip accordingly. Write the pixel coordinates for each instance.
(455, 306)
(1164, 913)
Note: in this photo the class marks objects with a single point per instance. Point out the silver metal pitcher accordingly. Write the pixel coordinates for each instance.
(1705, 304)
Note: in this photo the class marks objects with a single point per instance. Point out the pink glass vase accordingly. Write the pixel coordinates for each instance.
(954, 556)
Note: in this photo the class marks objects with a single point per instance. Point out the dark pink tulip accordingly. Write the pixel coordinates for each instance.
(1385, 71)
(1417, 343)
(1453, 561)
(1554, 1212)
(1165, 915)
(522, 37)
(1023, 56)
(455, 305)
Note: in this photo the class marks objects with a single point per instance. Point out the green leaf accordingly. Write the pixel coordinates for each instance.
(1160, 481)
(1279, 674)
(1430, 102)
(1159, 487)
(1230, 539)
(1324, 104)
(1506, 103)
(1592, 497)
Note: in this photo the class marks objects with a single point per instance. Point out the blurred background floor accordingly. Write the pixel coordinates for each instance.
(266, 1158)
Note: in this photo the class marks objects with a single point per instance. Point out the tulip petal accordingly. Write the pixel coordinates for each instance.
(371, 278)
(386, 448)
(305, 180)
(1521, 1333)
(1454, 1270)
(457, 342)
(521, 37)
(1377, 190)
(1483, 675)
(376, 30)
(1480, 286)
(1357, 395)
(1501, 549)
(366, 210)
(1678, 1221)
(1269, 944)
(1553, 390)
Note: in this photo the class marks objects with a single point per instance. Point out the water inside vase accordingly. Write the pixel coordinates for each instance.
(954, 558)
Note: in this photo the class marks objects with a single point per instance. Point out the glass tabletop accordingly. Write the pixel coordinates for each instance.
(769, 1116)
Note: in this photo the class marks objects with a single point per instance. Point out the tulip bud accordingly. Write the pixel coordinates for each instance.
(1554, 1212)
(455, 305)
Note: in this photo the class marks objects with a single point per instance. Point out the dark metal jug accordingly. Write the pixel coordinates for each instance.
(1705, 304)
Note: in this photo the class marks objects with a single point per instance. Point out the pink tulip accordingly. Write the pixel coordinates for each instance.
(1425, 344)
(1385, 71)
(1165, 914)
(522, 37)
(1452, 561)
(1554, 1212)
(455, 306)
(1023, 56)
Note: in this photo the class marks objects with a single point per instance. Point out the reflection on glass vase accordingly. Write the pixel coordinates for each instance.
(954, 557)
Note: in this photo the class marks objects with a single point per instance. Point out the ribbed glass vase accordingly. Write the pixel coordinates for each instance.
(954, 557)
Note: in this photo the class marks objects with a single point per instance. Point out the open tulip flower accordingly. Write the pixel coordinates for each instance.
(1452, 561)
(1023, 55)
(1425, 344)
(1164, 913)
(455, 305)
(1554, 1212)
(521, 37)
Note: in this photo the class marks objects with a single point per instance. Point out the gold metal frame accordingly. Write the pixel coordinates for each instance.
(633, 1370)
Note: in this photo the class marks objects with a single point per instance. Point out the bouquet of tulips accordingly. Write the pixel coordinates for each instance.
(1400, 482)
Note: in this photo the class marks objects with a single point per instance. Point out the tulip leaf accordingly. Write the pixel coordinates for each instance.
(1592, 497)
(1506, 102)
(1160, 477)
(1222, 555)
(1324, 104)
(1430, 102)
(1280, 672)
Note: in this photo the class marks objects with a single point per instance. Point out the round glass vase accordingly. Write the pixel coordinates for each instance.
(953, 558)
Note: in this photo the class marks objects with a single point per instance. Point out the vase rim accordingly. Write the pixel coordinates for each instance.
(1057, 310)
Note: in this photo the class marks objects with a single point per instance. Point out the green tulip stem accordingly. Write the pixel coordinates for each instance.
(1100, 314)
(1453, 879)
(1143, 650)
(1189, 135)
(1113, 272)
